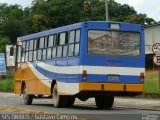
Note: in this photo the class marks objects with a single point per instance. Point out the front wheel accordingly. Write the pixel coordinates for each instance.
(26, 97)
(104, 102)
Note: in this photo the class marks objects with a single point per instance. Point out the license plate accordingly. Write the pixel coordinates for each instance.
(113, 77)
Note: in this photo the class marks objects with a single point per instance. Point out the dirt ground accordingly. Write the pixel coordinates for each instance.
(151, 72)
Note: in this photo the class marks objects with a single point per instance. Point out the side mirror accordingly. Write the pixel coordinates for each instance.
(10, 55)
(12, 51)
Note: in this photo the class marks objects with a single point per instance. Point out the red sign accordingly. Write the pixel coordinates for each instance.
(156, 51)
(156, 59)
(156, 48)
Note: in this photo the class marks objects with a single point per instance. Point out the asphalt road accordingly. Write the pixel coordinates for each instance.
(87, 110)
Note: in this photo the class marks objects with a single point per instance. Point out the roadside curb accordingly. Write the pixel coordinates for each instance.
(149, 95)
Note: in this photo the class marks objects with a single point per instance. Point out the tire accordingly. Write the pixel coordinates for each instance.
(26, 97)
(58, 100)
(104, 102)
(69, 101)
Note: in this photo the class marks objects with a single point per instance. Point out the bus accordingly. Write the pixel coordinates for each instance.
(82, 60)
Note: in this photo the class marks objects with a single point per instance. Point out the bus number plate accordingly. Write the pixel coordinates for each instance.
(113, 77)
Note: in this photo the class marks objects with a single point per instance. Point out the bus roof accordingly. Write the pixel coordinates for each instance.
(62, 29)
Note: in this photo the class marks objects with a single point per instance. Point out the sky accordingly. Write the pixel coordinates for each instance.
(149, 7)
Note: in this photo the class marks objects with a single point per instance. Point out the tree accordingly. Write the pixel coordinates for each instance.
(39, 23)
(14, 28)
(47, 14)
(3, 41)
(140, 19)
(37, 5)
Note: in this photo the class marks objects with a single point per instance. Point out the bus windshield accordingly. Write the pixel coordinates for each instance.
(116, 43)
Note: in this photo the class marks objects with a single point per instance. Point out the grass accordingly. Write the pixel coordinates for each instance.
(7, 84)
(151, 82)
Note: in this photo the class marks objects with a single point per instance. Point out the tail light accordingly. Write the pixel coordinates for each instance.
(84, 75)
(142, 77)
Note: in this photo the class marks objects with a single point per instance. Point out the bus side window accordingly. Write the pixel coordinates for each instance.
(26, 57)
(41, 42)
(65, 46)
(71, 36)
(50, 41)
(54, 51)
(55, 40)
(77, 39)
(23, 51)
(31, 45)
(44, 54)
(62, 38)
(74, 38)
(59, 51)
(35, 44)
(35, 49)
(62, 46)
(77, 35)
(71, 50)
(71, 43)
(39, 54)
(27, 45)
(30, 57)
(49, 53)
(19, 54)
(45, 41)
(30, 53)
(76, 51)
(26, 51)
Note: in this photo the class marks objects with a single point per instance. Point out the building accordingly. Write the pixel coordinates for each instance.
(152, 36)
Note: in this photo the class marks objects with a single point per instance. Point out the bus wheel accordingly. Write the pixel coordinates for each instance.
(104, 102)
(26, 97)
(58, 100)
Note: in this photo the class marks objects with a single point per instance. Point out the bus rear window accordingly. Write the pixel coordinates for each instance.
(113, 43)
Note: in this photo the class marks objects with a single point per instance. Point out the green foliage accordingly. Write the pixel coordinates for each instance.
(46, 14)
(39, 23)
(151, 82)
(3, 41)
(7, 84)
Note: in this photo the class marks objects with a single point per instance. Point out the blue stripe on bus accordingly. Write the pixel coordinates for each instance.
(75, 78)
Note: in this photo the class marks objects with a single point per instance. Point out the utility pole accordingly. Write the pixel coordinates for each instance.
(106, 6)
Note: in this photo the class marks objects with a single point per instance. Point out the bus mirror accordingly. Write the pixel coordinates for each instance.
(11, 51)
(10, 55)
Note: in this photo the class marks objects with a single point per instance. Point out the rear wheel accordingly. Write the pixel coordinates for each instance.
(60, 100)
(104, 102)
(27, 98)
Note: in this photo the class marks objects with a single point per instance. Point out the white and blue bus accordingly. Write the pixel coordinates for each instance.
(82, 60)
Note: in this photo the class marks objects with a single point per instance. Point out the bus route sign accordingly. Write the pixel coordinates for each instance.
(2, 64)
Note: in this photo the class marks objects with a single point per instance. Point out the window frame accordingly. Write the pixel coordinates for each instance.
(74, 43)
(57, 46)
(115, 55)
